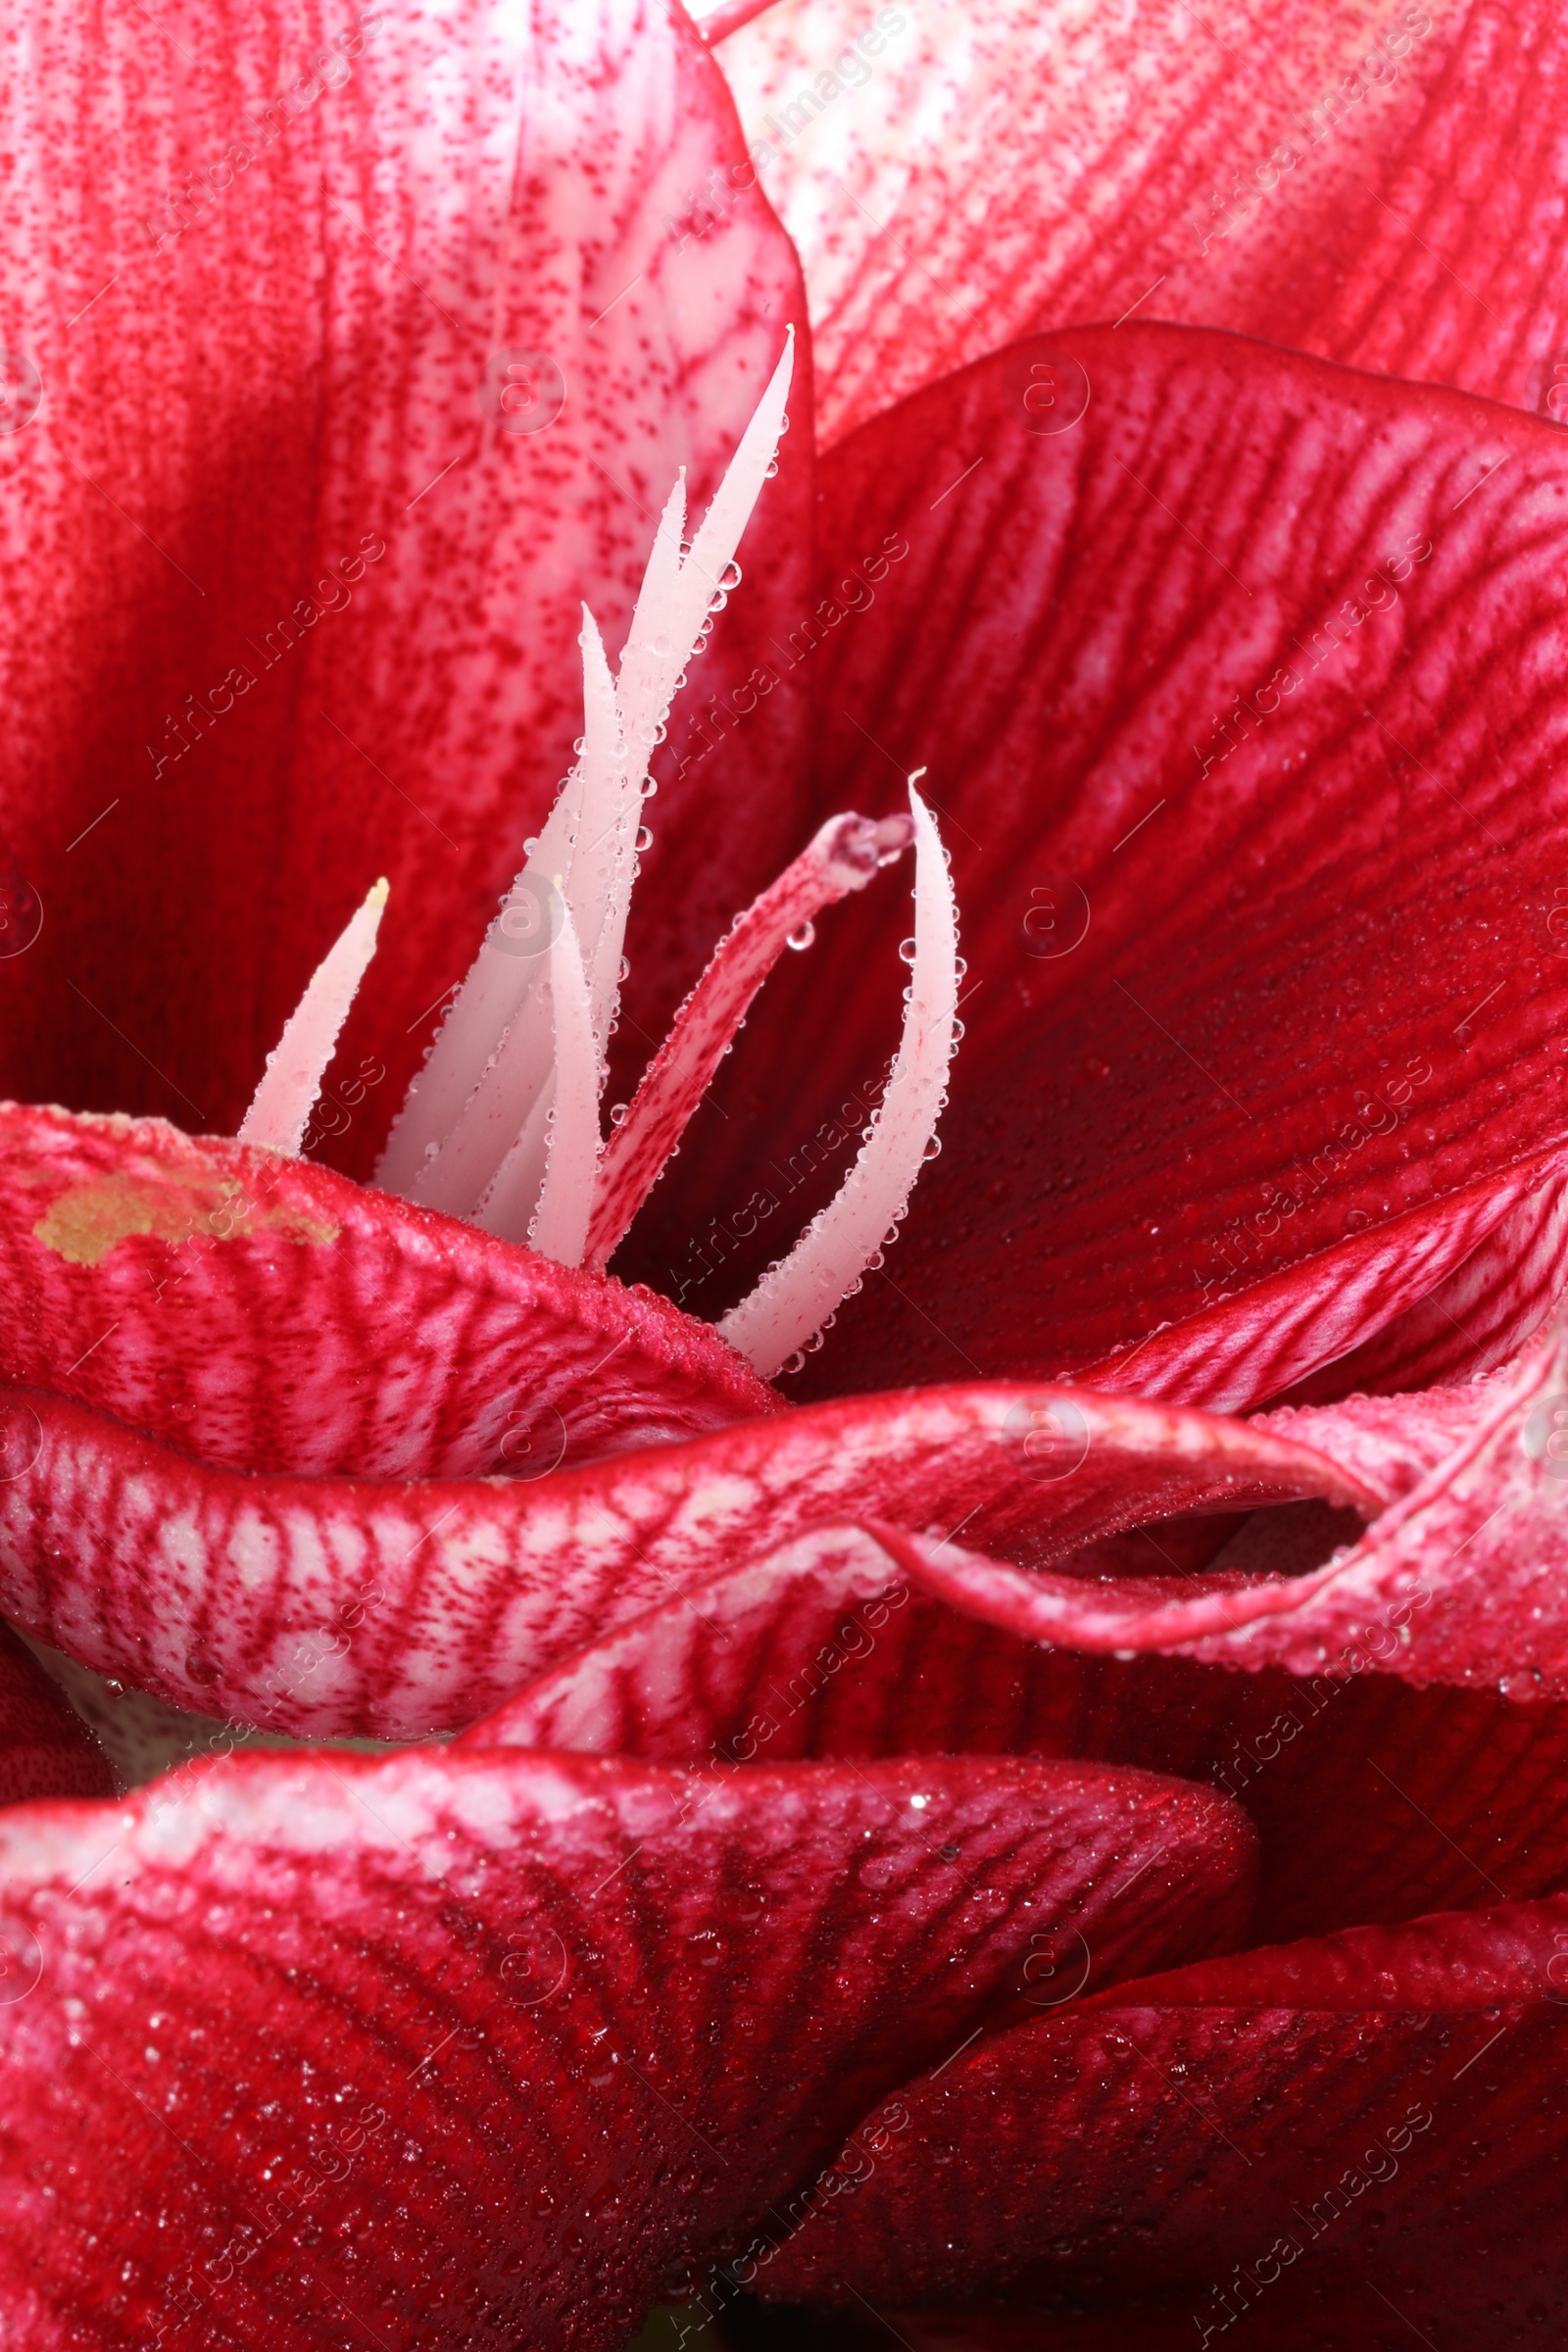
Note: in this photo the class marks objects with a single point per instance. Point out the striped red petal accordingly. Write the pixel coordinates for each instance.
(1458, 1581)
(475, 2046)
(1248, 2130)
(1239, 697)
(267, 1314)
(394, 1608)
(1373, 1801)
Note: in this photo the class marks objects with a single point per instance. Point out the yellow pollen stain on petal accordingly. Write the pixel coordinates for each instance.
(89, 1220)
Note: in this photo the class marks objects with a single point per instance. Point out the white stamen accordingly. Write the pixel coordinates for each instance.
(605, 856)
(582, 838)
(675, 604)
(641, 667)
(570, 1138)
(486, 1077)
(669, 627)
(280, 1109)
(498, 980)
(794, 1298)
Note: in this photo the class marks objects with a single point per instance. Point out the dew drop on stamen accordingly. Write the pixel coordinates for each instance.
(618, 1112)
(907, 951)
(803, 935)
(644, 839)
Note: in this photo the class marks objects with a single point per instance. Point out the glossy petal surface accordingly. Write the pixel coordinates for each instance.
(1263, 1015)
(1477, 1319)
(477, 2045)
(1314, 2092)
(1458, 1581)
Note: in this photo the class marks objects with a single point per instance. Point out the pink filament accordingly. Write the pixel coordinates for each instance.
(842, 858)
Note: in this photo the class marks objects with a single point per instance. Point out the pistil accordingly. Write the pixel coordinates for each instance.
(843, 858)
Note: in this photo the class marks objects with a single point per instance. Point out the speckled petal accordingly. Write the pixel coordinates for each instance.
(269, 1314)
(1377, 182)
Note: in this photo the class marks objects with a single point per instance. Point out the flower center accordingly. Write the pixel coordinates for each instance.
(502, 1124)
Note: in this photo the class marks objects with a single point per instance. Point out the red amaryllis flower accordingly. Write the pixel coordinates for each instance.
(350, 397)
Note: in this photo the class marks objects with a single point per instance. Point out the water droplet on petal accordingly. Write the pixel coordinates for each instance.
(803, 935)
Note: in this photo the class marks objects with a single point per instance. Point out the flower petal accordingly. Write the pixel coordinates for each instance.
(294, 581)
(264, 1313)
(45, 1750)
(1380, 187)
(486, 2040)
(1264, 1018)
(391, 1610)
(1458, 1581)
(1172, 2127)
(1476, 1320)
(1372, 1801)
